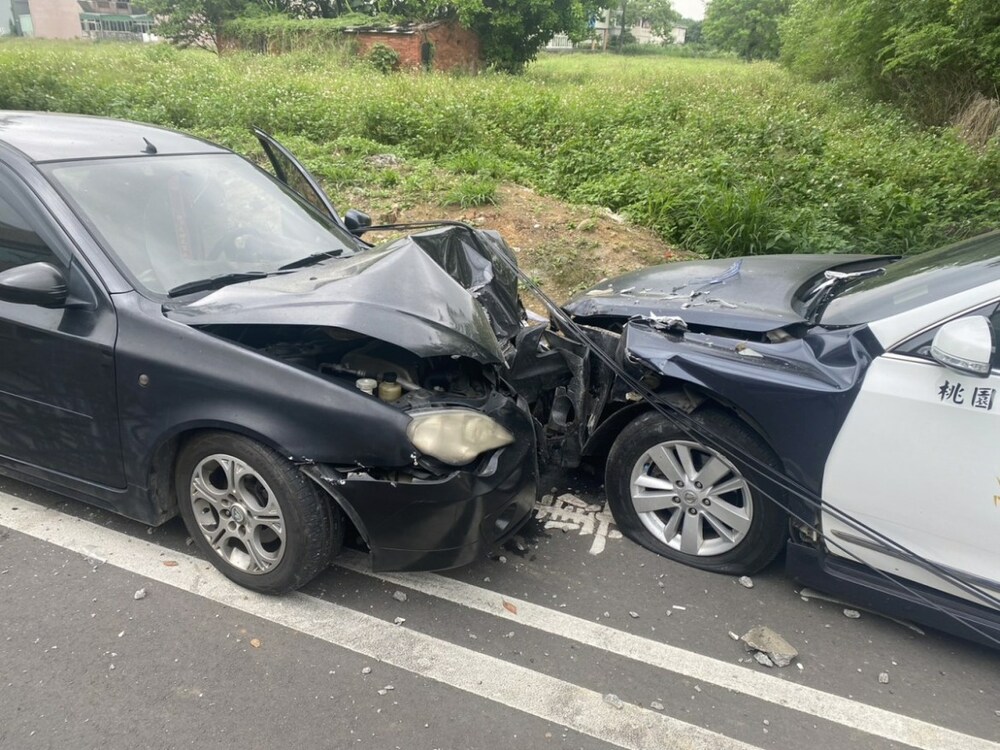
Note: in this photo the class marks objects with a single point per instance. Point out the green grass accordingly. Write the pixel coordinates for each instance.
(718, 157)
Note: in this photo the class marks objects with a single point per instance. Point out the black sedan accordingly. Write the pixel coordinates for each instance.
(183, 332)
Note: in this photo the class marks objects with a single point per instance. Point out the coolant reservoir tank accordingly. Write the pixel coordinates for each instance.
(389, 389)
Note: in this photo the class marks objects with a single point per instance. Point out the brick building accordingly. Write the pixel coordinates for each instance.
(440, 45)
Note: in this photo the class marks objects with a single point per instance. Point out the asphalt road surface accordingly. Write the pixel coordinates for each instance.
(571, 637)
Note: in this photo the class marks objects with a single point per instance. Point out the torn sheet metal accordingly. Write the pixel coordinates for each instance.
(754, 294)
(422, 293)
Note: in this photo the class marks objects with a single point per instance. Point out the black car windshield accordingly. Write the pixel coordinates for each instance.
(918, 280)
(175, 220)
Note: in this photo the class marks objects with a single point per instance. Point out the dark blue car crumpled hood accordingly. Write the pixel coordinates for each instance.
(753, 294)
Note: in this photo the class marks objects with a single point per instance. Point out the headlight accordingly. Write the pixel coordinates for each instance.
(456, 436)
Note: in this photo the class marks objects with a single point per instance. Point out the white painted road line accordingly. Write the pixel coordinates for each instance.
(765, 687)
(548, 698)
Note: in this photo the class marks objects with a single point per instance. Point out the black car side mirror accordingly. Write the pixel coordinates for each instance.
(39, 284)
(357, 222)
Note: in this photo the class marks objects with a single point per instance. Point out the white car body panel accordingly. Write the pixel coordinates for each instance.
(917, 460)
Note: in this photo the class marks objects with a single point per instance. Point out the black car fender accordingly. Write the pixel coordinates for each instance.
(216, 384)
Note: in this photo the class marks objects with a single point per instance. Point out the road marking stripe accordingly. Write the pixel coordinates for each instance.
(545, 697)
(765, 687)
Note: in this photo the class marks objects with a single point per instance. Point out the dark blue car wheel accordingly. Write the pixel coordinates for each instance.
(679, 496)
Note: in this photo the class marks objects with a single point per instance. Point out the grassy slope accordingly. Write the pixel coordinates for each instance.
(715, 156)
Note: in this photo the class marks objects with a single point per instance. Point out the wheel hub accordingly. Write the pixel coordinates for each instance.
(691, 498)
(238, 513)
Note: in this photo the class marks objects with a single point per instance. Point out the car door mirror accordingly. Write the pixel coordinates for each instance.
(39, 284)
(357, 222)
(965, 345)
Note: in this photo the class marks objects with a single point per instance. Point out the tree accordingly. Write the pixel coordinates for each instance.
(195, 23)
(692, 34)
(935, 57)
(660, 14)
(747, 27)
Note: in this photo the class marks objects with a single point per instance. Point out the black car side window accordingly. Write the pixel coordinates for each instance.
(20, 242)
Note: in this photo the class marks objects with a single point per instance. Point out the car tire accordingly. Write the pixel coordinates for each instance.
(253, 514)
(735, 530)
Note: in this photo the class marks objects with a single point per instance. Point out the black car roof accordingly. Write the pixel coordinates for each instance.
(44, 136)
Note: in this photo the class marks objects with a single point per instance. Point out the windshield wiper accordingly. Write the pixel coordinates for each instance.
(215, 282)
(833, 283)
(311, 259)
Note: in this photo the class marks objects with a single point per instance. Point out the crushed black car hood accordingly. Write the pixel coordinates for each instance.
(433, 294)
(753, 294)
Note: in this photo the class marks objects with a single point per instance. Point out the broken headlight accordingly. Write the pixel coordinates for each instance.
(456, 436)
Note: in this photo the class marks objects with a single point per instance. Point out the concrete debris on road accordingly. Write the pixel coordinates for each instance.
(733, 635)
(656, 706)
(366, 670)
(399, 596)
(614, 701)
(256, 642)
(399, 620)
(766, 641)
(140, 594)
(763, 659)
(852, 614)
(633, 615)
(883, 678)
(746, 582)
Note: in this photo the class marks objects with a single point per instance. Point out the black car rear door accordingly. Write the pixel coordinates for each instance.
(58, 404)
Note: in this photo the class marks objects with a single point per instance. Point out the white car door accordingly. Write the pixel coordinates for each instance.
(918, 459)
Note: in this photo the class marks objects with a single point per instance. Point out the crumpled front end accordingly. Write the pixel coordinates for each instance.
(416, 520)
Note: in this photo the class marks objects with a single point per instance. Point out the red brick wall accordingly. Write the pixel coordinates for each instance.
(454, 46)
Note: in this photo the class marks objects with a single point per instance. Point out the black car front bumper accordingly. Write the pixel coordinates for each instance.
(421, 524)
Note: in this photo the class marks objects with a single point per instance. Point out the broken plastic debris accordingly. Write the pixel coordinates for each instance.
(633, 615)
(666, 322)
(852, 614)
(170, 563)
(656, 706)
(366, 670)
(140, 594)
(746, 582)
(743, 349)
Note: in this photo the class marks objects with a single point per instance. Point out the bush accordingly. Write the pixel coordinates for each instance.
(383, 58)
